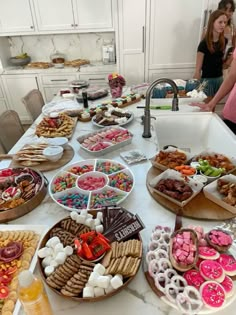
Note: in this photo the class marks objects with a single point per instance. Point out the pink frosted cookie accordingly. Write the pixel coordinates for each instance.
(207, 252)
(228, 286)
(211, 270)
(213, 294)
(194, 278)
(228, 263)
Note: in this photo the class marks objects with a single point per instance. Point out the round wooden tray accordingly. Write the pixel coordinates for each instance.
(198, 208)
(67, 156)
(11, 214)
(81, 299)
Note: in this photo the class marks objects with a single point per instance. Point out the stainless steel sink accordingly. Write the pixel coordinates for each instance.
(194, 132)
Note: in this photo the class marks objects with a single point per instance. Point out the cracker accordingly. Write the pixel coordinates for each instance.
(107, 258)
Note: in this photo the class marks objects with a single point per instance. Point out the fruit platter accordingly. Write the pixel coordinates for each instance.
(191, 270)
(21, 190)
(91, 184)
(105, 141)
(89, 256)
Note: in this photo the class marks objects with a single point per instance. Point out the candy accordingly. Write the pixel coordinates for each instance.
(76, 201)
(91, 183)
(121, 181)
(108, 167)
(108, 197)
(63, 182)
(79, 170)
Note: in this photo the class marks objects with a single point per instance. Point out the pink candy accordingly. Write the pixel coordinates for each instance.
(91, 183)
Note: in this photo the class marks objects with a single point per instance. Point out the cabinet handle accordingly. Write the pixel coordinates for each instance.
(143, 39)
(36, 79)
(32, 27)
(59, 80)
(205, 18)
(76, 24)
(72, 25)
(96, 79)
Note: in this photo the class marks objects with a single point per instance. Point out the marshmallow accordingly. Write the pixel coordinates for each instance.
(99, 268)
(49, 270)
(81, 219)
(93, 278)
(97, 222)
(109, 289)
(43, 252)
(89, 216)
(100, 216)
(53, 263)
(74, 215)
(58, 248)
(60, 258)
(52, 242)
(88, 292)
(120, 276)
(99, 228)
(89, 222)
(84, 212)
(68, 250)
(116, 282)
(46, 261)
(99, 291)
(103, 282)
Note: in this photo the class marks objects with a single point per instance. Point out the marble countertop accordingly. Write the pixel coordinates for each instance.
(91, 68)
(138, 298)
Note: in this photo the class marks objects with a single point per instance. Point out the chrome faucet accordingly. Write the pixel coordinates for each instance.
(147, 116)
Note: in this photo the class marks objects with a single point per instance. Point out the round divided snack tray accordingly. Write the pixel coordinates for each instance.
(21, 190)
(70, 277)
(187, 291)
(91, 184)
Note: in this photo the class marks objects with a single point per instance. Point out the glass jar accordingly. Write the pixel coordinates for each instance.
(58, 59)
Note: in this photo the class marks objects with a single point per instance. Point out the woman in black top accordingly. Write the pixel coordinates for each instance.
(210, 52)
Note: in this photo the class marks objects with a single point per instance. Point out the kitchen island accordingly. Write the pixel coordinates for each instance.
(138, 297)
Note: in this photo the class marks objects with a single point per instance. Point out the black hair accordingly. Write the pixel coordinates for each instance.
(223, 3)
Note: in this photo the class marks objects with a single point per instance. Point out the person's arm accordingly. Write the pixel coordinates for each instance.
(199, 62)
(225, 88)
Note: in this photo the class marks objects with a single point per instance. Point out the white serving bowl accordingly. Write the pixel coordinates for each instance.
(62, 141)
(69, 96)
(53, 153)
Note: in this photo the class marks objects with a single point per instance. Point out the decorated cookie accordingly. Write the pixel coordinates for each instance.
(207, 252)
(194, 278)
(228, 286)
(228, 263)
(213, 294)
(211, 270)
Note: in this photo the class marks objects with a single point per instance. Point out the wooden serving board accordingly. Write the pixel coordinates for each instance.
(130, 103)
(198, 208)
(67, 156)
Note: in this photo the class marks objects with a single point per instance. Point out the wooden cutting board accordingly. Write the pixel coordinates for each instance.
(67, 156)
(198, 208)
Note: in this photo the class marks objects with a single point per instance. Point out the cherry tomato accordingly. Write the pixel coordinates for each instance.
(4, 292)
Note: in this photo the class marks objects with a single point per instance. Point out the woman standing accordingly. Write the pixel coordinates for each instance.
(228, 6)
(210, 53)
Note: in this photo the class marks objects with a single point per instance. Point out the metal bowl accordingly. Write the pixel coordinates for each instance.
(20, 61)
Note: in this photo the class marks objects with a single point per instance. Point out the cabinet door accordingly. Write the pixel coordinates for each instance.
(175, 31)
(16, 87)
(132, 39)
(93, 14)
(54, 15)
(16, 16)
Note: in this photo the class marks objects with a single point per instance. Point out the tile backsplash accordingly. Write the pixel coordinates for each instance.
(73, 46)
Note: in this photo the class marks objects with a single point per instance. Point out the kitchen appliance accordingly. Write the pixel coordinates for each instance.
(108, 53)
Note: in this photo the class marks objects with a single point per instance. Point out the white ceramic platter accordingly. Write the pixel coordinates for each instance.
(120, 124)
(66, 190)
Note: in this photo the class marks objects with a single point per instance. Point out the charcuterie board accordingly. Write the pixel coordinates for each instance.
(198, 208)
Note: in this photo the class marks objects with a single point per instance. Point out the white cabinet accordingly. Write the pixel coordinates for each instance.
(74, 15)
(54, 15)
(175, 30)
(16, 87)
(132, 39)
(16, 17)
(54, 82)
(93, 14)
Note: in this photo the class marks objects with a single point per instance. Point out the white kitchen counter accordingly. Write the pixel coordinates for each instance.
(137, 298)
(91, 68)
